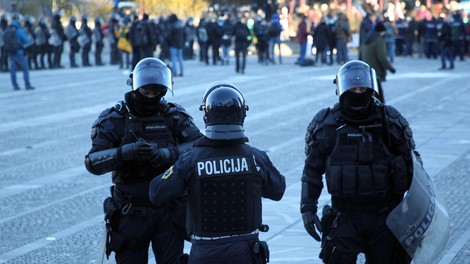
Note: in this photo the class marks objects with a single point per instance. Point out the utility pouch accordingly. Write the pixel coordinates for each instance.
(260, 251)
(111, 214)
(365, 152)
(327, 219)
(111, 217)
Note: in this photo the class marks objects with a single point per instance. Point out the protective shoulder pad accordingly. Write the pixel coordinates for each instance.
(116, 111)
(316, 123)
(321, 115)
(392, 111)
(396, 117)
(174, 107)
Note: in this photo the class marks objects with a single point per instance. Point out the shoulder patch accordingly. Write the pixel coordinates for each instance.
(168, 173)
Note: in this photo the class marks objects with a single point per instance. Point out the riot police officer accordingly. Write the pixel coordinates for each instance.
(225, 179)
(138, 139)
(364, 148)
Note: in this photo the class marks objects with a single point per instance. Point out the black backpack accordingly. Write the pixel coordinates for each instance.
(10, 41)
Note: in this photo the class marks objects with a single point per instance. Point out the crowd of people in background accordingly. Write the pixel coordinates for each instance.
(174, 40)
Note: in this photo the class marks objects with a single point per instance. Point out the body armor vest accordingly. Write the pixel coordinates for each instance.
(156, 129)
(225, 197)
(358, 169)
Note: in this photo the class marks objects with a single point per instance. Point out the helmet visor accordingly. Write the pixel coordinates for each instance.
(356, 77)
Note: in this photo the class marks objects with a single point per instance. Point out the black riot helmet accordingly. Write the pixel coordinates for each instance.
(224, 111)
(153, 74)
(355, 74)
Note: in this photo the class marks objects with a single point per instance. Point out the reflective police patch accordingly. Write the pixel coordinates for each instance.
(168, 173)
(154, 127)
(223, 166)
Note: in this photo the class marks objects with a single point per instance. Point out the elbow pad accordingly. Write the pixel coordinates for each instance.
(103, 161)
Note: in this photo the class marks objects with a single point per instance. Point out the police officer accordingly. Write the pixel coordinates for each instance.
(364, 149)
(138, 139)
(225, 179)
(72, 35)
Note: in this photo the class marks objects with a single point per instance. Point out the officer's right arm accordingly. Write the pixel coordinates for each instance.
(314, 168)
(105, 154)
(312, 183)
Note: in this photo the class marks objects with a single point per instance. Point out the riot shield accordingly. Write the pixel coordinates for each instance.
(420, 222)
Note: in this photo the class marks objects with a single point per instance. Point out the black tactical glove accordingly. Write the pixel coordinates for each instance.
(158, 157)
(311, 221)
(135, 151)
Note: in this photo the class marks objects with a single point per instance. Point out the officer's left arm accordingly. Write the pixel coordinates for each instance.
(274, 183)
(401, 139)
(171, 184)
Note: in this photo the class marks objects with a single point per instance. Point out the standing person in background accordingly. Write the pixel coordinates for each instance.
(431, 38)
(15, 43)
(72, 35)
(343, 35)
(242, 41)
(98, 39)
(259, 30)
(374, 53)
(42, 41)
(202, 40)
(138, 139)
(446, 44)
(134, 34)
(321, 35)
(145, 38)
(190, 36)
(57, 40)
(176, 44)
(227, 29)
(113, 36)
(32, 49)
(162, 34)
(302, 35)
(389, 38)
(401, 26)
(331, 23)
(274, 33)
(366, 28)
(124, 45)
(224, 208)
(3, 54)
(214, 31)
(84, 39)
(410, 35)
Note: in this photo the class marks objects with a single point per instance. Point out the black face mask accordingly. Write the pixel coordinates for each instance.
(356, 102)
(143, 105)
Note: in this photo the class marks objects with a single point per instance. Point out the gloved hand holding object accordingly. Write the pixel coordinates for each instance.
(135, 151)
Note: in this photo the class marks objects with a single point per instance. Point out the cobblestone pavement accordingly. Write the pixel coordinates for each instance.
(51, 207)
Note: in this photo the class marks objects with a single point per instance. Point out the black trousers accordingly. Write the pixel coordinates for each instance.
(367, 233)
(145, 225)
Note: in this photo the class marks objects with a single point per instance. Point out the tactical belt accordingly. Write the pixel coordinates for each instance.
(223, 239)
(360, 208)
(125, 200)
